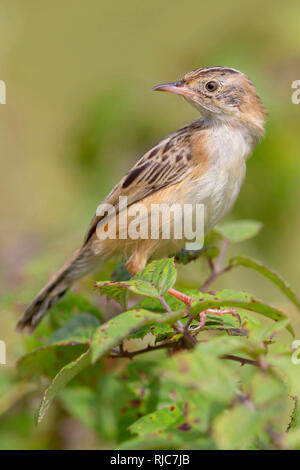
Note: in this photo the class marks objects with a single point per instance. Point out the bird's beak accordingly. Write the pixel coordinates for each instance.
(179, 88)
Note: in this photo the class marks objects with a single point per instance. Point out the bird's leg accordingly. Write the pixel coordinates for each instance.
(202, 315)
(186, 299)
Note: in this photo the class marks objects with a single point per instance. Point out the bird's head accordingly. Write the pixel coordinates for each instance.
(221, 94)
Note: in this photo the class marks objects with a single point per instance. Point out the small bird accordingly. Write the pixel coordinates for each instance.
(204, 162)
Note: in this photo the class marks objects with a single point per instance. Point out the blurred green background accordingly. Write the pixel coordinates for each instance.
(80, 111)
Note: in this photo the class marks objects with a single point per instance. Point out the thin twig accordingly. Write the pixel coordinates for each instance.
(190, 339)
(177, 345)
(164, 304)
(216, 268)
(188, 323)
(222, 254)
(242, 360)
(130, 354)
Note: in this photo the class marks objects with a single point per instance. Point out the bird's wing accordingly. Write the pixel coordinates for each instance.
(165, 164)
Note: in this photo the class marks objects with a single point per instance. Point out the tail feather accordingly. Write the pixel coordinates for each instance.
(55, 289)
(38, 308)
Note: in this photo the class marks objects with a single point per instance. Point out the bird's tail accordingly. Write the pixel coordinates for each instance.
(79, 265)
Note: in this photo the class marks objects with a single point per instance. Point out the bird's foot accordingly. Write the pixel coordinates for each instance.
(230, 311)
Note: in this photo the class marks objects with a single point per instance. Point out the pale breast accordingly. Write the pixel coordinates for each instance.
(219, 185)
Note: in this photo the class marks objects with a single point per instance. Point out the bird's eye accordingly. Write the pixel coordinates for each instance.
(211, 86)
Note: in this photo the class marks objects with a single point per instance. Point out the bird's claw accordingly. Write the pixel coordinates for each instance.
(202, 315)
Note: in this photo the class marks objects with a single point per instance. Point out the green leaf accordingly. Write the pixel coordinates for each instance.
(12, 389)
(239, 230)
(295, 415)
(120, 273)
(203, 371)
(78, 329)
(153, 281)
(80, 402)
(267, 389)
(154, 305)
(181, 439)
(239, 427)
(64, 376)
(231, 298)
(118, 290)
(159, 331)
(158, 420)
(292, 439)
(268, 332)
(161, 274)
(165, 441)
(48, 360)
(98, 407)
(112, 332)
(69, 305)
(268, 273)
